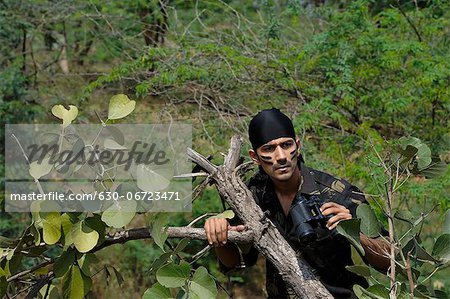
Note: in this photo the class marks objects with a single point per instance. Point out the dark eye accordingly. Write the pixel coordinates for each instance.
(287, 144)
(268, 148)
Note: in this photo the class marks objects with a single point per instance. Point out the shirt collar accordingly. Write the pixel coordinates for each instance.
(308, 185)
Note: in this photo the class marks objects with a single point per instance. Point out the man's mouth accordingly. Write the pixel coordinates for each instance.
(282, 168)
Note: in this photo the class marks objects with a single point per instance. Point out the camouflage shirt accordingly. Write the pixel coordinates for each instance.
(331, 253)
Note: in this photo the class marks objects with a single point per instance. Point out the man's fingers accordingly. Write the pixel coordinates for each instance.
(223, 231)
(333, 221)
(237, 228)
(208, 231)
(214, 232)
(240, 228)
(335, 210)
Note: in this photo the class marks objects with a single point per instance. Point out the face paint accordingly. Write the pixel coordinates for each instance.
(278, 158)
(294, 154)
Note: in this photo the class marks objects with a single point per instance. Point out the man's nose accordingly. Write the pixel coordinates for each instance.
(280, 154)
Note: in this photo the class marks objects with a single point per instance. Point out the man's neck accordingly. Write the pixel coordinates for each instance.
(290, 186)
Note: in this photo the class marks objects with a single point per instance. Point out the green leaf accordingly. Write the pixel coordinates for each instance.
(120, 106)
(440, 294)
(404, 215)
(360, 270)
(350, 229)
(369, 222)
(372, 292)
(52, 292)
(417, 251)
(66, 115)
(3, 284)
(378, 291)
(8, 242)
(63, 263)
(157, 291)
(228, 214)
(150, 178)
(38, 170)
(85, 262)
(180, 247)
(172, 275)
(95, 222)
(423, 156)
(51, 225)
(84, 237)
(67, 225)
(446, 228)
(111, 144)
(75, 284)
(441, 248)
(161, 260)
(202, 285)
(356, 258)
(119, 276)
(36, 235)
(436, 169)
(159, 235)
(120, 213)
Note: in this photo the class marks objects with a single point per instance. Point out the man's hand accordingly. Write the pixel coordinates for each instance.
(216, 230)
(340, 213)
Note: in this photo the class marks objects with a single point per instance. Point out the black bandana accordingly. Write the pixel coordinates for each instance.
(267, 125)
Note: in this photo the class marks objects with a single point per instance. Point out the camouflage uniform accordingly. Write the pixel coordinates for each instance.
(329, 256)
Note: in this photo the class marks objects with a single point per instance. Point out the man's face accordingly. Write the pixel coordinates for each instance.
(278, 158)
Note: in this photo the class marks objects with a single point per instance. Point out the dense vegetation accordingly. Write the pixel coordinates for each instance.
(350, 73)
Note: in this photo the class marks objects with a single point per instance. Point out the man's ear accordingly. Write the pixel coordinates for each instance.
(253, 156)
(297, 141)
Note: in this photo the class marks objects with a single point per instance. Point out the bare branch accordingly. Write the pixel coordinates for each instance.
(123, 236)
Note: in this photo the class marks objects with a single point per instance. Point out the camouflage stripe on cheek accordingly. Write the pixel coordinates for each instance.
(294, 154)
(266, 159)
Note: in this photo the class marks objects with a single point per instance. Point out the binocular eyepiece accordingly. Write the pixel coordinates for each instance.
(306, 216)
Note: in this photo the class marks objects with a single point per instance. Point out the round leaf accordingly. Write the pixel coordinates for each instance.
(120, 213)
(172, 275)
(360, 270)
(350, 230)
(39, 169)
(441, 248)
(446, 229)
(369, 223)
(228, 214)
(157, 291)
(112, 144)
(75, 284)
(151, 180)
(63, 263)
(120, 106)
(51, 225)
(202, 285)
(66, 115)
(84, 237)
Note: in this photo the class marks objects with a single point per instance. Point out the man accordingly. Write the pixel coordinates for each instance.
(282, 178)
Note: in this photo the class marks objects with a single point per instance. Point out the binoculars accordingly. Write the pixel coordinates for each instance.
(306, 216)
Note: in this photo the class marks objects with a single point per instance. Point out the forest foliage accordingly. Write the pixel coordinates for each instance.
(351, 74)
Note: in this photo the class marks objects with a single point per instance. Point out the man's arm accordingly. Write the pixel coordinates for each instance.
(375, 249)
(376, 252)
